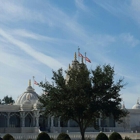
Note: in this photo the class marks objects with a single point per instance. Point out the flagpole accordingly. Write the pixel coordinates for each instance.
(78, 52)
(33, 81)
(85, 57)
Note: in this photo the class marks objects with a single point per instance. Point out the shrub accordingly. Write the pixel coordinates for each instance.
(43, 136)
(63, 136)
(127, 138)
(88, 138)
(102, 136)
(115, 136)
(8, 137)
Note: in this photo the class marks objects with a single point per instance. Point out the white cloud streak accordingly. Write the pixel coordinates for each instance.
(120, 8)
(80, 4)
(129, 39)
(47, 60)
(9, 11)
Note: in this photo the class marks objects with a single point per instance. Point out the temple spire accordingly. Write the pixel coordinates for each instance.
(75, 57)
(29, 82)
(69, 66)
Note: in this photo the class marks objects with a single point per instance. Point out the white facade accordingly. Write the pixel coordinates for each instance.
(24, 116)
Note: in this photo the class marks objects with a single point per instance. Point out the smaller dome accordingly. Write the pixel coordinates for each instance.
(29, 94)
(136, 106)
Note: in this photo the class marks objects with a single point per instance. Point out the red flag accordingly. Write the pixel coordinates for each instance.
(87, 59)
(80, 55)
(36, 83)
(46, 93)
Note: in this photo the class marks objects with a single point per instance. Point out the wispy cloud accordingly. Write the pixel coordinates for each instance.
(129, 39)
(117, 8)
(12, 11)
(80, 4)
(13, 61)
(134, 9)
(30, 35)
(51, 62)
(120, 8)
(52, 16)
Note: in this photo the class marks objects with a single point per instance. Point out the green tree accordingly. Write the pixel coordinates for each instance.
(84, 96)
(7, 100)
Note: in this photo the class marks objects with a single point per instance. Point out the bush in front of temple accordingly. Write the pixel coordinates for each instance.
(115, 136)
(102, 136)
(127, 138)
(43, 136)
(63, 136)
(8, 137)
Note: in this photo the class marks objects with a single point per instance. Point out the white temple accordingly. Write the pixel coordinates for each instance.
(24, 117)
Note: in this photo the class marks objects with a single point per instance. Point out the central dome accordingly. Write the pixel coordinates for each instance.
(28, 95)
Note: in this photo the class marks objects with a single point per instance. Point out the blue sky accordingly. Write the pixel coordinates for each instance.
(37, 37)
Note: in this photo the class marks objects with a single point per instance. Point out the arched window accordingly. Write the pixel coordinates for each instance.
(28, 121)
(14, 120)
(3, 120)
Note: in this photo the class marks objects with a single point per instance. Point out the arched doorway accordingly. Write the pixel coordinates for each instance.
(42, 123)
(28, 121)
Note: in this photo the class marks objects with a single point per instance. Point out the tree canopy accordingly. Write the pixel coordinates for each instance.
(84, 96)
(7, 100)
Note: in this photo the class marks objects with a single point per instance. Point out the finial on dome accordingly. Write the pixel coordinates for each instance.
(30, 82)
(69, 66)
(75, 56)
(123, 105)
(138, 101)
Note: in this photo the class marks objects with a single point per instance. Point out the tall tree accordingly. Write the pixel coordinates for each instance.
(7, 100)
(84, 96)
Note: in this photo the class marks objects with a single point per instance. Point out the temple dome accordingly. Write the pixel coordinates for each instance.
(28, 97)
(136, 106)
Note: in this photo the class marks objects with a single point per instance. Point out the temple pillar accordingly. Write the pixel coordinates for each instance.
(22, 117)
(37, 121)
(36, 116)
(99, 122)
(48, 121)
(52, 123)
(59, 122)
(8, 119)
(68, 124)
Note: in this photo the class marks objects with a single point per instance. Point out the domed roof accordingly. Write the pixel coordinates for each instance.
(28, 97)
(136, 106)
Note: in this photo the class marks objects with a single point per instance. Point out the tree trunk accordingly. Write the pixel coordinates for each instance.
(82, 131)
